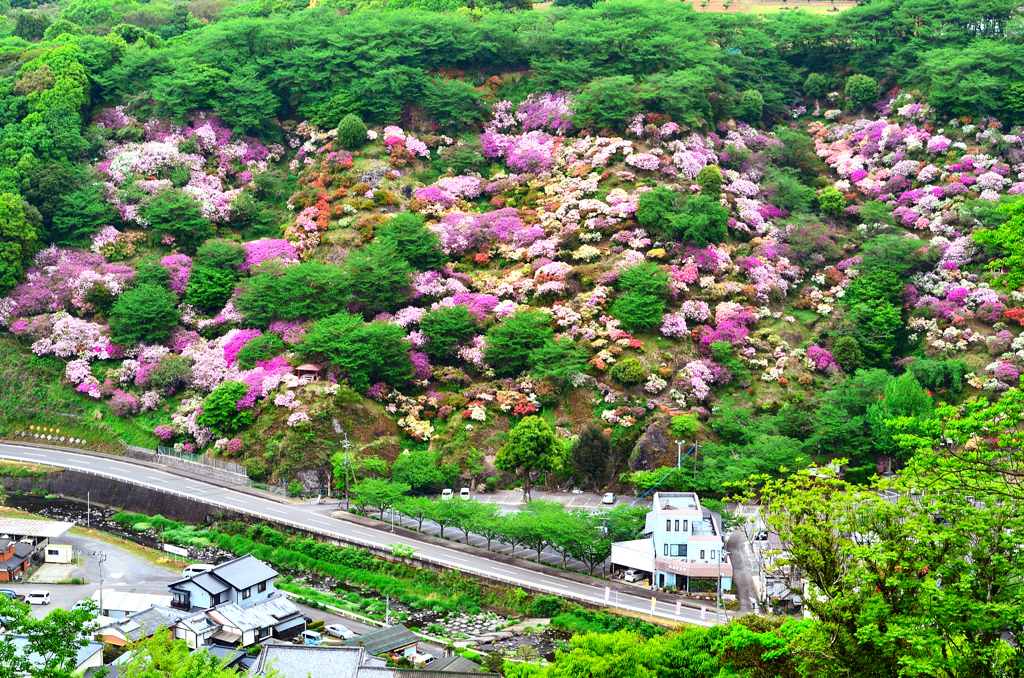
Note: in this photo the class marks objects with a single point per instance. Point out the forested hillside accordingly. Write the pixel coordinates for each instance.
(635, 221)
(498, 245)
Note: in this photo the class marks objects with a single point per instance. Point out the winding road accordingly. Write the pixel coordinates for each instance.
(299, 516)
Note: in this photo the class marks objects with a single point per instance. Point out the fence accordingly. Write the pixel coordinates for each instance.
(276, 489)
(204, 460)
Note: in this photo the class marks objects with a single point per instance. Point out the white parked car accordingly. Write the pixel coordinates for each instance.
(196, 568)
(464, 493)
(38, 598)
(609, 498)
(339, 631)
(447, 494)
(635, 575)
(421, 659)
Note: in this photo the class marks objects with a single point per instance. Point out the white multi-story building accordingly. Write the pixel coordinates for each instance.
(684, 550)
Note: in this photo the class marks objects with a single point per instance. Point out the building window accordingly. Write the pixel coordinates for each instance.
(686, 526)
(668, 525)
(261, 587)
(679, 550)
(264, 632)
(666, 549)
(677, 526)
(702, 554)
(712, 555)
(246, 594)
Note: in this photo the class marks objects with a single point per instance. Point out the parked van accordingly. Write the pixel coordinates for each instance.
(447, 494)
(464, 493)
(309, 638)
(38, 598)
(198, 568)
(635, 575)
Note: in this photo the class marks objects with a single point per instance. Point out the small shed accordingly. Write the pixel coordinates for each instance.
(62, 554)
(310, 371)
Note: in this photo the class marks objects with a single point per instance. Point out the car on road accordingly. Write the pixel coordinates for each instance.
(38, 598)
(9, 593)
(447, 494)
(464, 493)
(635, 575)
(339, 631)
(609, 498)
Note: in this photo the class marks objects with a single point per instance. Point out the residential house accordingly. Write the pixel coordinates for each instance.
(277, 617)
(15, 559)
(123, 604)
(90, 656)
(301, 661)
(29, 539)
(140, 625)
(232, 658)
(684, 550)
(244, 581)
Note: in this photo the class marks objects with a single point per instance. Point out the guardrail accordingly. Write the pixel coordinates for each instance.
(599, 601)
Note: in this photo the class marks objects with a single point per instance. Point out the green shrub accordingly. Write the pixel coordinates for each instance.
(351, 132)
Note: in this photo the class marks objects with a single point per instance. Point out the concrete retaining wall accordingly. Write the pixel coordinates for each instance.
(186, 465)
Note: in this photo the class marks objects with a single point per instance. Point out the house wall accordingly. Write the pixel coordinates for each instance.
(199, 597)
(95, 661)
(255, 596)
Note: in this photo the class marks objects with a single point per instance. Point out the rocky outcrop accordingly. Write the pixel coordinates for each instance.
(654, 447)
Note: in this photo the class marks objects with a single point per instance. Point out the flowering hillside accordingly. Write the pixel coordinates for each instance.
(727, 286)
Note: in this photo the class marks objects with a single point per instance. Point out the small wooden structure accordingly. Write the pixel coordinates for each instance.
(310, 371)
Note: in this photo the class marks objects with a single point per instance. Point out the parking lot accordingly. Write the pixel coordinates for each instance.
(122, 571)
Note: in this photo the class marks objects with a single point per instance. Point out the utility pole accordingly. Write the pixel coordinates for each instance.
(102, 558)
(695, 462)
(88, 509)
(387, 611)
(346, 445)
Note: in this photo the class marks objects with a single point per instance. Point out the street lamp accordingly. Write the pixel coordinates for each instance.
(679, 446)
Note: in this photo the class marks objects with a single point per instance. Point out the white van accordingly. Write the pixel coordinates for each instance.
(635, 575)
(447, 494)
(38, 598)
(464, 493)
(197, 568)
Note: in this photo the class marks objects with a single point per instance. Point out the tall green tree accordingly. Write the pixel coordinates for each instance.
(591, 452)
(446, 329)
(365, 352)
(412, 241)
(377, 278)
(144, 314)
(532, 446)
(510, 346)
(17, 242)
